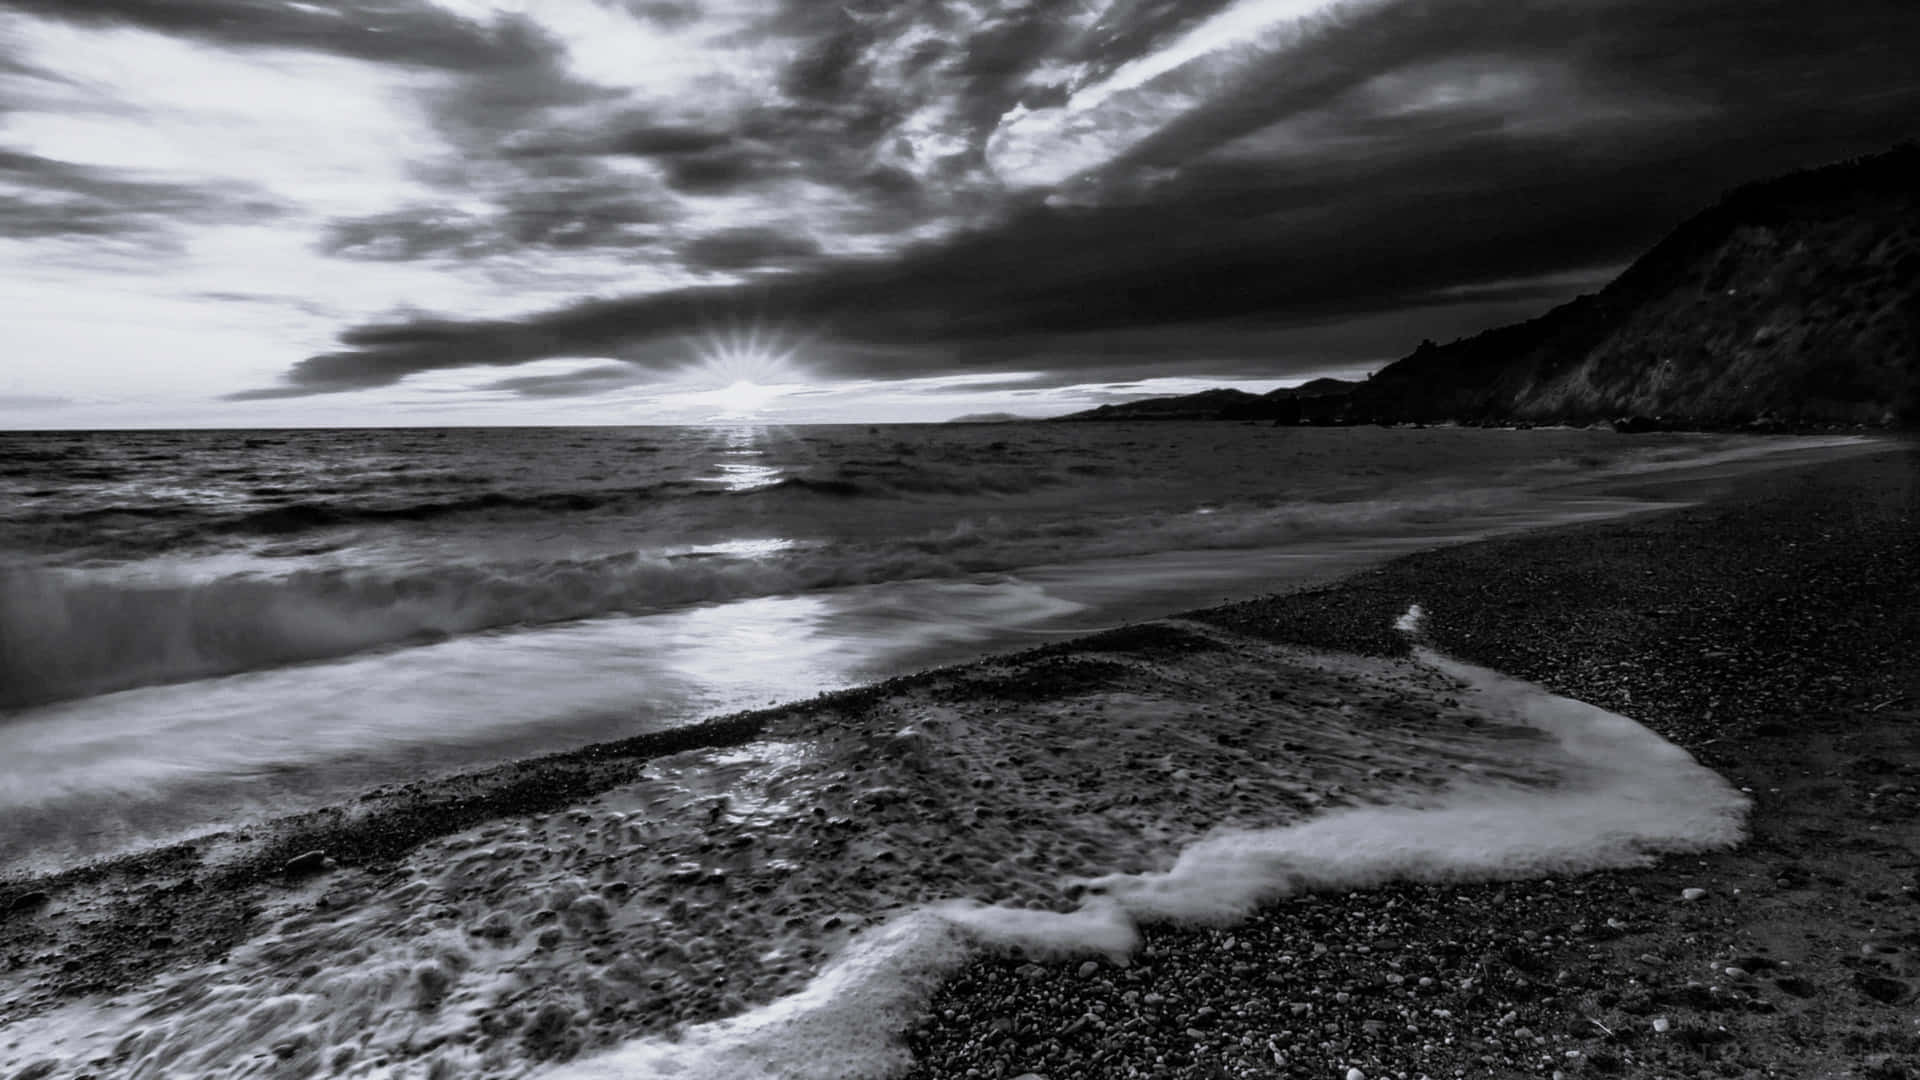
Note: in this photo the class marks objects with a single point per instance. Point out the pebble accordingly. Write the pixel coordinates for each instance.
(1690, 895)
(1356, 1074)
(1661, 1023)
(495, 926)
(1089, 969)
(310, 862)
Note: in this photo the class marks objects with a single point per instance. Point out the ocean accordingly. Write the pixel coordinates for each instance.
(203, 630)
(198, 628)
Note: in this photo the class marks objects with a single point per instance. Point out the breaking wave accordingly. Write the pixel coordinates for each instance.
(67, 633)
(168, 524)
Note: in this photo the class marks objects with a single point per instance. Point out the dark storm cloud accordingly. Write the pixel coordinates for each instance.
(832, 123)
(692, 159)
(671, 14)
(847, 83)
(486, 110)
(537, 190)
(556, 213)
(996, 59)
(721, 169)
(43, 197)
(543, 190)
(1407, 170)
(401, 235)
(666, 140)
(746, 248)
(415, 32)
(593, 380)
(1773, 68)
(834, 66)
(1004, 297)
(381, 354)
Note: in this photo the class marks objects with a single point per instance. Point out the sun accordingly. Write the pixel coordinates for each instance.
(742, 397)
(742, 372)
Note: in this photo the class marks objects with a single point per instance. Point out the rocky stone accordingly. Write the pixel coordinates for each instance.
(306, 864)
(496, 927)
(1795, 985)
(1881, 988)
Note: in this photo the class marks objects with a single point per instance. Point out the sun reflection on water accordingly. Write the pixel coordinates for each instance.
(737, 477)
(742, 473)
(753, 548)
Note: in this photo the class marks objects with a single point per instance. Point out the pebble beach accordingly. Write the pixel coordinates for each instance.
(1772, 633)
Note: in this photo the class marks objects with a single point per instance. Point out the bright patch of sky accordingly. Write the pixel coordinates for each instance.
(1103, 120)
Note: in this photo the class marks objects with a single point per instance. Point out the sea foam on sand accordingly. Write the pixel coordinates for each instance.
(1629, 796)
(785, 909)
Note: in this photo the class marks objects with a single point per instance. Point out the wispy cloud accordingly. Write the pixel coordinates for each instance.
(390, 31)
(42, 197)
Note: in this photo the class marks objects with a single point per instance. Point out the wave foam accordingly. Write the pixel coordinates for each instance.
(1631, 797)
(801, 872)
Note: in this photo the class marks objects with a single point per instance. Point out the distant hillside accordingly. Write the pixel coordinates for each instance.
(1796, 298)
(990, 418)
(1316, 388)
(1792, 301)
(1284, 404)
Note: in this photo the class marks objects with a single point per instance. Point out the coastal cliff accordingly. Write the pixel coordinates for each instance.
(1792, 301)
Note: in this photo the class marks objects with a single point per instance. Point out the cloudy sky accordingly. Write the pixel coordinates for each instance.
(269, 212)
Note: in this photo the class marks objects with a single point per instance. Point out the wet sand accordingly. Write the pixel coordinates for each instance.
(1738, 630)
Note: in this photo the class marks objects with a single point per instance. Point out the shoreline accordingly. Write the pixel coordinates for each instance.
(1771, 633)
(196, 899)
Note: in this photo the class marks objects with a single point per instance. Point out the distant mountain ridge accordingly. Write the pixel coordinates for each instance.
(1287, 404)
(989, 418)
(1794, 300)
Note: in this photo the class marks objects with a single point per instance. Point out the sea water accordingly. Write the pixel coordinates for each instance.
(199, 628)
(783, 910)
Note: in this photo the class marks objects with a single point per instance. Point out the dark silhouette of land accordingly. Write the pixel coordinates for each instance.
(1792, 302)
(989, 418)
(1290, 404)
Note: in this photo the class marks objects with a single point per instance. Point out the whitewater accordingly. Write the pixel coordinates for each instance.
(784, 910)
(199, 629)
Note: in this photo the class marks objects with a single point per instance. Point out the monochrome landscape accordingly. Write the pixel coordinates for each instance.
(1035, 541)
